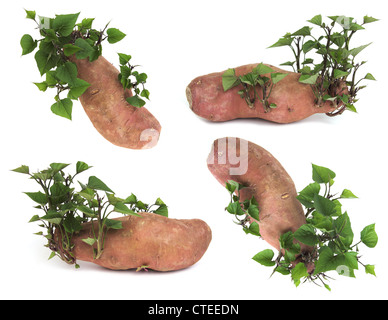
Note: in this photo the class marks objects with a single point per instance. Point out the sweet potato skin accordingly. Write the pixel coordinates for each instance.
(267, 181)
(295, 101)
(113, 117)
(154, 241)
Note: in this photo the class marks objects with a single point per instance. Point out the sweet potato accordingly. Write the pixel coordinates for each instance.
(266, 180)
(295, 101)
(113, 117)
(151, 241)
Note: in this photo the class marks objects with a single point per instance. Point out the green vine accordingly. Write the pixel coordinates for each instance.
(60, 41)
(328, 232)
(66, 210)
(326, 60)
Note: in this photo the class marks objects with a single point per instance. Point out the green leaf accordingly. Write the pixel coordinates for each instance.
(253, 211)
(286, 240)
(45, 61)
(59, 193)
(63, 108)
(326, 261)
(249, 78)
(87, 51)
(89, 241)
(64, 24)
(52, 217)
(350, 260)
(308, 46)
(327, 286)
(30, 14)
(339, 73)
(113, 224)
(78, 88)
(86, 23)
(51, 79)
(141, 206)
(71, 224)
(306, 196)
(369, 236)
(276, 77)
(356, 27)
(306, 234)
(308, 79)
(369, 77)
(58, 166)
(136, 101)
(369, 269)
(87, 211)
(115, 35)
(254, 229)
(235, 208)
(38, 197)
(369, 19)
(124, 58)
(159, 202)
(324, 206)
(344, 230)
(162, 210)
(96, 184)
(305, 31)
(229, 79)
(286, 41)
(87, 194)
(70, 49)
(322, 174)
(42, 86)
(28, 44)
(132, 199)
(308, 61)
(52, 255)
(299, 272)
(351, 108)
(145, 93)
(34, 218)
(288, 63)
(22, 169)
(81, 166)
(261, 69)
(347, 194)
(354, 52)
(122, 208)
(141, 77)
(67, 73)
(233, 186)
(321, 222)
(316, 20)
(265, 258)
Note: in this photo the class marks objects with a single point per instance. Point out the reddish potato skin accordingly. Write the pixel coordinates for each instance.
(113, 117)
(295, 101)
(158, 242)
(269, 183)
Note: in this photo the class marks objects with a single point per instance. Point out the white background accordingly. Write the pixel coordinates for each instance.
(176, 41)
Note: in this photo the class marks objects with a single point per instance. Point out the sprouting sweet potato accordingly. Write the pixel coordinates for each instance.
(151, 241)
(266, 180)
(105, 104)
(294, 100)
(69, 55)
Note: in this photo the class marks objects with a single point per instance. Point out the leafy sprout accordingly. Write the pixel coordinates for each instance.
(327, 61)
(250, 82)
(60, 42)
(66, 210)
(328, 232)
